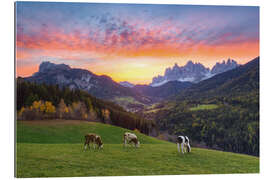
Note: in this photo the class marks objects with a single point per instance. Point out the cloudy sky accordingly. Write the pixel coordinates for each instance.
(132, 42)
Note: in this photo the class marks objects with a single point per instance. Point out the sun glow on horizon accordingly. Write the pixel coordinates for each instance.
(133, 70)
(132, 43)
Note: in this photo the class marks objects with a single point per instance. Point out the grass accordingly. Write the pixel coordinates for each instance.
(204, 107)
(56, 150)
(72, 131)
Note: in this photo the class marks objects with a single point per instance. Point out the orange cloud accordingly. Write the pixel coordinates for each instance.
(158, 44)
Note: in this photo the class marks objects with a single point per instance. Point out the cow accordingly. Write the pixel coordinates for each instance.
(131, 138)
(92, 138)
(185, 146)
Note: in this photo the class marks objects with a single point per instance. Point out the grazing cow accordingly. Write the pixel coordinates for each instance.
(92, 138)
(129, 138)
(184, 141)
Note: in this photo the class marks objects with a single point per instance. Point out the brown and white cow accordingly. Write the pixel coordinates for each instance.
(92, 138)
(131, 138)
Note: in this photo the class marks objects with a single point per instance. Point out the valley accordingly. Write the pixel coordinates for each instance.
(209, 111)
(221, 112)
(130, 96)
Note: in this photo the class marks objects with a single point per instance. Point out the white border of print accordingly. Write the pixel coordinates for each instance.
(7, 87)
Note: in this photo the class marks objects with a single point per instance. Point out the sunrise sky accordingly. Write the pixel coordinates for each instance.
(132, 42)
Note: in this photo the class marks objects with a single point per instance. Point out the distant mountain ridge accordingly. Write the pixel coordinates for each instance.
(243, 79)
(192, 72)
(162, 92)
(126, 84)
(224, 66)
(105, 88)
(99, 86)
(216, 110)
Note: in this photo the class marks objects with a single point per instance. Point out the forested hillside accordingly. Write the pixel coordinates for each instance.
(41, 101)
(221, 112)
(241, 80)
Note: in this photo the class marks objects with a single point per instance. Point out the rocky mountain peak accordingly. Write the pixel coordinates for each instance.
(100, 86)
(189, 63)
(192, 72)
(224, 66)
(48, 66)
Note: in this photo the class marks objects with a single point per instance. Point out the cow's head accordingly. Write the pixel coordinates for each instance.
(99, 142)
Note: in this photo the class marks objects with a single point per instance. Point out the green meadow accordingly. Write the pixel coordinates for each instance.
(55, 149)
(204, 107)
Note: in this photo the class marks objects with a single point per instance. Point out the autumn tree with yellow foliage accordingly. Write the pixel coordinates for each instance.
(41, 101)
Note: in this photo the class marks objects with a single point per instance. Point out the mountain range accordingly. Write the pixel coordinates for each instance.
(240, 80)
(104, 87)
(99, 86)
(192, 72)
(221, 112)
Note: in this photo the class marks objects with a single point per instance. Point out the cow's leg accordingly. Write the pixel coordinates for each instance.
(189, 148)
(128, 142)
(185, 148)
(178, 147)
(125, 142)
(182, 147)
(85, 146)
(131, 142)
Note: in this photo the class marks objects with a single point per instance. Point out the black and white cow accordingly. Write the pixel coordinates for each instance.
(185, 146)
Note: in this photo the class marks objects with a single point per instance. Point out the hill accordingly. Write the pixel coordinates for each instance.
(42, 101)
(221, 112)
(72, 132)
(55, 149)
(162, 92)
(241, 80)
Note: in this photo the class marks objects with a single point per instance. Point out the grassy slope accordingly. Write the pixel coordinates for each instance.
(204, 107)
(56, 149)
